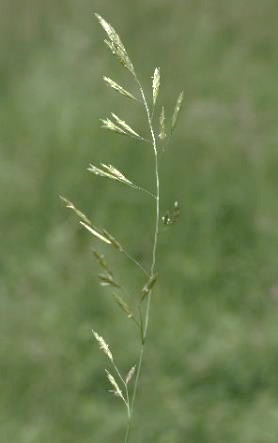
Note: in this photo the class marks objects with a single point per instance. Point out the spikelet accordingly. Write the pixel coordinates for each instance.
(130, 374)
(115, 173)
(118, 88)
(176, 212)
(116, 391)
(149, 285)
(102, 262)
(105, 236)
(71, 206)
(123, 305)
(171, 217)
(117, 245)
(111, 172)
(115, 44)
(103, 345)
(96, 233)
(127, 129)
(108, 280)
(108, 124)
(176, 111)
(162, 134)
(156, 84)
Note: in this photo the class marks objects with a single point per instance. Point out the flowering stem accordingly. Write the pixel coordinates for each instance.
(154, 250)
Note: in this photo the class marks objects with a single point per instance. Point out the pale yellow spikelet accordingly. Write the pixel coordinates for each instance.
(149, 285)
(102, 262)
(111, 172)
(96, 233)
(113, 382)
(113, 241)
(172, 216)
(108, 124)
(162, 134)
(118, 88)
(130, 374)
(177, 111)
(103, 345)
(117, 175)
(108, 280)
(126, 127)
(156, 84)
(77, 211)
(115, 44)
(97, 171)
(110, 45)
(123, 305)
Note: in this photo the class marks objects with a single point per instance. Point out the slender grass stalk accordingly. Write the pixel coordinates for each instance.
(154, 250)
(119, 126)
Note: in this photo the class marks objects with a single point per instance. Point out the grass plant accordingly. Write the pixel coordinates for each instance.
(210, 362)
(157, 137)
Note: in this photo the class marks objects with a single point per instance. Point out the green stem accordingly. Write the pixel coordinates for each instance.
(127, 431)
(138, 372)
(147, 312)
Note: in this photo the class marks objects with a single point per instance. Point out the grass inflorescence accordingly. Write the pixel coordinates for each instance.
(156, 138)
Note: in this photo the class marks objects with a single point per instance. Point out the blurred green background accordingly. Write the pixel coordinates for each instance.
(211, 366)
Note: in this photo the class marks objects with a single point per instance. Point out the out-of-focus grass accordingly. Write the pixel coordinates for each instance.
(210, 373)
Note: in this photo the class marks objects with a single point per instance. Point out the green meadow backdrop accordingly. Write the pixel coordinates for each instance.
(211, 368)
